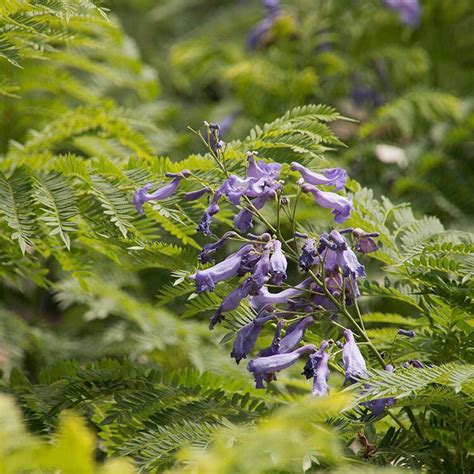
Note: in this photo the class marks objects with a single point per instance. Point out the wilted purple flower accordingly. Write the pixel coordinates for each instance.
(409, 10)
(192, 195)
(340, 205)
(247, 336)
(331, 177)
(321, 376)
(377, 406)
(278, 264)
(264, 297)
(263, 366)
(354, 363)
(404, 332)
(206, 279)
(308, 255)
(142, 195)
(294, 334)
(206, 254)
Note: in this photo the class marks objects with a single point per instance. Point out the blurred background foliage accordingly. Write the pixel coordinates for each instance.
(96, 101)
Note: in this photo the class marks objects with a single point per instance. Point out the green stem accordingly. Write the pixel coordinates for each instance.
(414, 423)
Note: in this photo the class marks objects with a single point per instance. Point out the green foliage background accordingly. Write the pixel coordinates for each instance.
(107, 362)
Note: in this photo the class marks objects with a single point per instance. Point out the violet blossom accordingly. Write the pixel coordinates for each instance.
(313, 360)
(247, 336)
(263, 366)
(308, 255)
(409, 11)
(192, 195)
(206, 220)
(232, 301)
(337, 254)
(278, 264)
(142, 195)
(275, 345)
(206, 279)
(404, 332)
(364, 241)
(340, 205)
(354, 363)
(321, 376)
(260, 168)
(330, 177)
(206, 253)
(265, 298)
(294, 334)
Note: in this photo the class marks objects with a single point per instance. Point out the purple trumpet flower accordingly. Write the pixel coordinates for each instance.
(247, 336)
(409, 11)
(278, 264)
(294, 334)
(340, 205)
(234, 188)
(275, 345)
(404, 332)
(308, 255)
(321, 376)
(243, 220)
(232, 301)
(313, 360)
(265, 298)
(336, 254)
(261, 169)
(211, 210)
(206, 254)
(331, 177)
(260, 273)
(354, 363)
(364, 241)
(192, 195)
(206, 279)
(142, 195)
(377, 406)
(264, 366)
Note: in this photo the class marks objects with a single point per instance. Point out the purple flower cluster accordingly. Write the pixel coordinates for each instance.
(329, 259)
(259, 185)
(341, 206)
